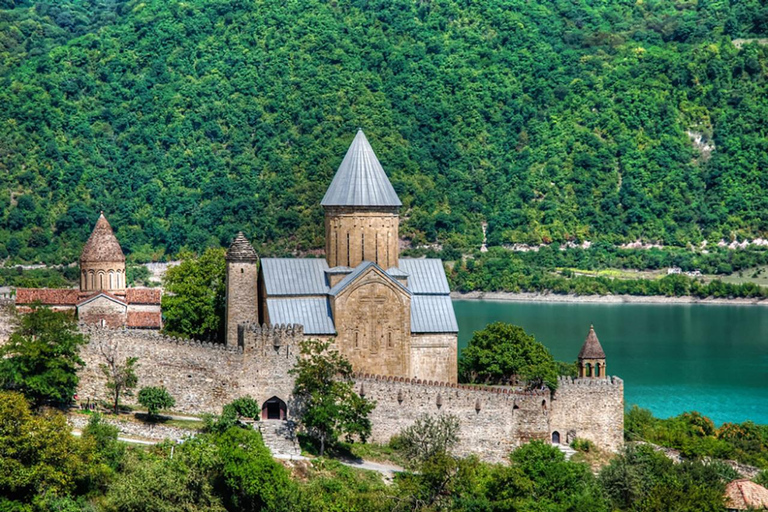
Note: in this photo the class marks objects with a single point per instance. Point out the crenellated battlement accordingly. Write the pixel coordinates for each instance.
(258, 338)
(152, 336)
(496, 390)
(578, 382)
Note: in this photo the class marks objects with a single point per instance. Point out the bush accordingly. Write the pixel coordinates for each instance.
(429, 436)
(155, 399)
(583, 445)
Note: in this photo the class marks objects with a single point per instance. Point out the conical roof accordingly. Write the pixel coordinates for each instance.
(102, 245)
(360, 180)
(591, 348)
(241, 249)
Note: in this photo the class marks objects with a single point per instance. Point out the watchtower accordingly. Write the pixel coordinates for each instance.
(242, 288)
(592, 357)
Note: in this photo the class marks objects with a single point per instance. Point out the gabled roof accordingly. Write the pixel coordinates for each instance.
(241, 249)
(396, 272)
(360, 270)
(47, 296)
(432, 314)
(425, 276)
(143, 295)
(144, 320)
(96, 295)
(360, 179)
(591, 348)
(292, 277)
(744, 494)
(102, 245)
(314, 313)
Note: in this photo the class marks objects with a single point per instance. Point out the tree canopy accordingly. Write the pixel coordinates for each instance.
(42, 356)
(548, 120)
(505, 353)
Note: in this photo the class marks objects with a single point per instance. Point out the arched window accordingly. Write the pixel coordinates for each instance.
(93, 280)
(588, 370)
(597, 369)
(101, 280)
(111, 279)
(555, 437)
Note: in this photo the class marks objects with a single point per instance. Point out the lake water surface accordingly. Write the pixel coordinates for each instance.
(673, 357)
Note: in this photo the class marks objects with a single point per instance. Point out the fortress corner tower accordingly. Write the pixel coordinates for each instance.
(102, 262)
(361, 211)
(592, 357)
(242, 288)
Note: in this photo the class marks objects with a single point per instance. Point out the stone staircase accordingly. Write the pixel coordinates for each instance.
(567, 450)
(280, 437)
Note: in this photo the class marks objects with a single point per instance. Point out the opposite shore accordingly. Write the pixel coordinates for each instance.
(603, 299)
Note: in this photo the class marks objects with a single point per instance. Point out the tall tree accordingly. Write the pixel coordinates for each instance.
(327, 404)
(42, 357)
(505, 353)
(193, 304)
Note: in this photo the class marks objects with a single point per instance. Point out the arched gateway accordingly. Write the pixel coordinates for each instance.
(274, 409)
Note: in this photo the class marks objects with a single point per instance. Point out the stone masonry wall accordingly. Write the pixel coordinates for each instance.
(434, 357)
(493, 420)
(590, 409)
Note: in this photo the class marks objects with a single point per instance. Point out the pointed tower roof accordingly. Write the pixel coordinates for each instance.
(241, 249)
(102, 245)
(591, 348)
(360, 180)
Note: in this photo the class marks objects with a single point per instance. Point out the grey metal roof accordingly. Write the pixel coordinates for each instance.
(396, 272)
(432, 313)
(314, 313)
(289, 276)
(362, 267)
(360, 179)
(425, 276)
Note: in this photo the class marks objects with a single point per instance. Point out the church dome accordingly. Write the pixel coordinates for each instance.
(102, 245)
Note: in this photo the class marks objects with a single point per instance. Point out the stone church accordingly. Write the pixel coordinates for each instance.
(388, 315)
(104, 298)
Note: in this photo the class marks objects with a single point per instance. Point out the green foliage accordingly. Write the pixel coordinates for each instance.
(39, 456)
(327, 405)
(41, 358)
(505, 353)
(552, 121)
(429, 436)
(583, 445)
(644, 479)
(194, 302)
(104, 437)
(254, 480)
(155, 399)
(696, 436)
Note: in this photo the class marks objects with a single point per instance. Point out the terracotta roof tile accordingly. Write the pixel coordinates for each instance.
(47, 296)
(746, 495)
(144, 320)
(143, 295)
(102, 245)
(591, 348)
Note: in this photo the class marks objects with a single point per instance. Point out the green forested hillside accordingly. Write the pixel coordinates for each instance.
(550, 120)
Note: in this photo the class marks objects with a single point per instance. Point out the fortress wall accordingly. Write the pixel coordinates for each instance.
(434, 357)
(490, 432)
(590, 409)
(200, 376)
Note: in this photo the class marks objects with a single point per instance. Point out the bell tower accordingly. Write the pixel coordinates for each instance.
(362, 218)
(592, 357)
(242, 278)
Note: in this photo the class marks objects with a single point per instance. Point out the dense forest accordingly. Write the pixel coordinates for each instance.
(549, 120)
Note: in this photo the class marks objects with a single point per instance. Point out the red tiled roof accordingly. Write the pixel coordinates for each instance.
(142, 295)
(746, 495)
(47, 296)
(144, 319)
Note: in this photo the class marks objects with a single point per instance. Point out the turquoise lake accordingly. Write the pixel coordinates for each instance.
(673, 357)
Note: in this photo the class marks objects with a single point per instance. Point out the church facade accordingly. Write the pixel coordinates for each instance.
(388, 315)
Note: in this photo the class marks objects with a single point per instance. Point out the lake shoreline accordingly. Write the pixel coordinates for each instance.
(603, 299)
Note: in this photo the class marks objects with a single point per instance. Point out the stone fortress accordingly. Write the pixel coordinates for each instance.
(391, 317)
